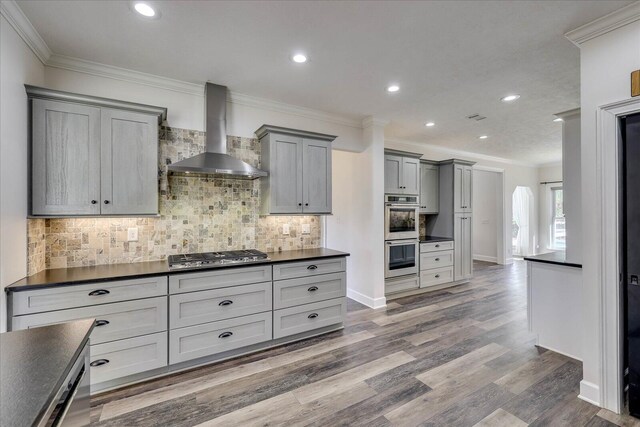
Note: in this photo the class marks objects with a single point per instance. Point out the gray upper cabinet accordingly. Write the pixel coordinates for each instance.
(316, 176)
(429, 194)
(129, 172)
(92, 156)
(462, 188)
(299, 166)
(65, 158)
(401, 173)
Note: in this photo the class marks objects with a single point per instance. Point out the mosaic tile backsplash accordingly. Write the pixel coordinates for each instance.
(197, 214)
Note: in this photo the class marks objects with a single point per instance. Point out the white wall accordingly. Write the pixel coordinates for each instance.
(357, 223)
(550, 173)
(18, 65)
(186, 110)
(572, 192)
(514, 175)
(485, 215)
(605, 66)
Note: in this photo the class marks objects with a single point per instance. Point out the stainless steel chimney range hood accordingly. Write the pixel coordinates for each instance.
(215, 161)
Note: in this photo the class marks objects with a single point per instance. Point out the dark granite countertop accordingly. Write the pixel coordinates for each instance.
(430, 239)
(558, 258)
(33, 365)
(101, 273)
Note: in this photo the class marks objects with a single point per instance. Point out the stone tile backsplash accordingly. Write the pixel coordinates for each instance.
(197, 214)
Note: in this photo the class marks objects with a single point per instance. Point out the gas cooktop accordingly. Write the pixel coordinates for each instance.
(210, 259)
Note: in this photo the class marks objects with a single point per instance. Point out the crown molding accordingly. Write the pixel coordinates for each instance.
(607, 23)
(123, 74)
(373, 121)
(281, 107)
(564, 115)
(17, 19)
(460, 153)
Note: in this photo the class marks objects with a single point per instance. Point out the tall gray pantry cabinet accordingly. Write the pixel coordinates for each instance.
(92, 156)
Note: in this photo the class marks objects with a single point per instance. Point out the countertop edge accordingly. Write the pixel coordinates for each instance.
(18, 287)
(549, 261)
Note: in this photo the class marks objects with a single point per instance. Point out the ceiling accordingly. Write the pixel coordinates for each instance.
(450, 58)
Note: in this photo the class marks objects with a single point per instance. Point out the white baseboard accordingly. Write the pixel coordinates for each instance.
(589, 392)
(508, 261)
(477, 257)
(366, 300)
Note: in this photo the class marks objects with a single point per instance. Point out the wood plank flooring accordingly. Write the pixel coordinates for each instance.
(454, 357)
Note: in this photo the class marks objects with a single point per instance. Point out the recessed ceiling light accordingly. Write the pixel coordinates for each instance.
(483, 137)
(558, 119)
(429, 124)
(144, 9)
(299, 58)
(393, 88)
(510, 98)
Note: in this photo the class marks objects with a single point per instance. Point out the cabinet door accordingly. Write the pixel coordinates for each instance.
(458, 188)
(129, 172)
(65, 159)
(316, 176)
(286, 174)
(392, 174)
(467, 187)
(410, 176)
(463, 247)
(429, 192)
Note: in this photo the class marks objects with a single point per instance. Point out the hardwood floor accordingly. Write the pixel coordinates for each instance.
(455, 357)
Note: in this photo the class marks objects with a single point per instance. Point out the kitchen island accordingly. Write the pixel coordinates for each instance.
(554, 301)
(36, 370)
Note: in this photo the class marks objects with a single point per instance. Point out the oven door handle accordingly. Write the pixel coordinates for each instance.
(402, 242)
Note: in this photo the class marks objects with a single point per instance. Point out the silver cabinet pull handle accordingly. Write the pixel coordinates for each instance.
(225, 302)
(312, 316)
(225, 334)
(98, 292)
(437, 276)
(312, 267)
(437, 259)
(313, 289)
(102, 322)
(99, 362)
(437, 246)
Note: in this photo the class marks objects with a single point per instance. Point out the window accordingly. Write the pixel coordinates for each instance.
(558, 230)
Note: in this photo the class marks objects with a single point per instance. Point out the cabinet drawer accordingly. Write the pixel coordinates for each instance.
(114, 321)
(291, 270)
(194, 308)
(437, 276)
(73, 296)
(294, 320)
(214, 279)
(436, 246)
(217, 337)
(431, 260)
(288, 293)
(121, 358)
(401, 284)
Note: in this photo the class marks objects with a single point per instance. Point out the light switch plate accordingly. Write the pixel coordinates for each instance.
(306, 229)
(132, 234)
(285, 229)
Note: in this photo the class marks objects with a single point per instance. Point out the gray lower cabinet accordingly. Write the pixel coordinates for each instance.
(463, 248)
(303, 318)
(194, 308)
(312, 267)
(212, 338)
(92, 156)
(115, 321)
(306, 290)
(63, 297)
(299, 166)
(222, 278)
(131, 356)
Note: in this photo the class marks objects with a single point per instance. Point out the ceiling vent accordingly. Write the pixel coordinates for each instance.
(477, 117)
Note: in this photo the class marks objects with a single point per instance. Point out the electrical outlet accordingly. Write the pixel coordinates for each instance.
(306, 229)
(132, 234)
(286, 229)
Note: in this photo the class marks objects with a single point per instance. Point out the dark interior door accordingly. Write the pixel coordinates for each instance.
(630, 133)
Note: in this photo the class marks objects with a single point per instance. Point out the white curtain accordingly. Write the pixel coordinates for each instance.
(521, 220)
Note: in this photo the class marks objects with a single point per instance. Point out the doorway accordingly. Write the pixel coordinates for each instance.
(522, 204)
(488, 227)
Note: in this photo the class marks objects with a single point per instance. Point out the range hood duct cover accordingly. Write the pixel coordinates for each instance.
(215, 160)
